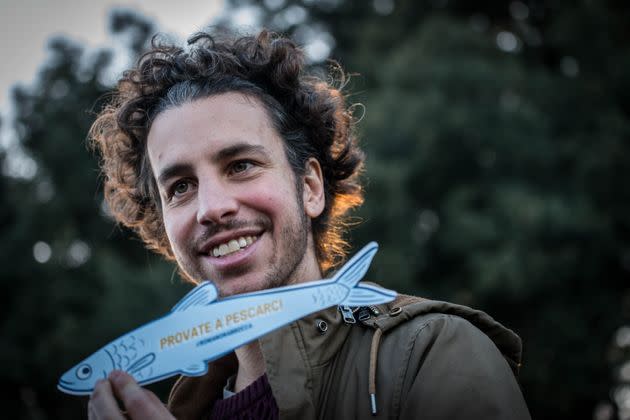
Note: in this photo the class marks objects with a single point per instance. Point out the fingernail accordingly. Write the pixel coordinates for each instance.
(115, 374)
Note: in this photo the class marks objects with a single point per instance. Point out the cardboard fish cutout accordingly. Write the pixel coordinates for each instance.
(200, 328)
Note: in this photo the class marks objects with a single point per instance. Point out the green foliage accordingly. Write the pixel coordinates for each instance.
(495, 178)
(505, 188)
(96, 283)
(498, 178)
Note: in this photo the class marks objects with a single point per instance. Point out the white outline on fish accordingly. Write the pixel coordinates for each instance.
(139, 354)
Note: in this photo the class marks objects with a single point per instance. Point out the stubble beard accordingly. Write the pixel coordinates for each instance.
(283, 266)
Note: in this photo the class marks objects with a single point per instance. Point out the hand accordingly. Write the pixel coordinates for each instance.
(139, 403)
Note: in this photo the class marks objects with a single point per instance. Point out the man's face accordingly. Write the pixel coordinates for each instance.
(231, 208)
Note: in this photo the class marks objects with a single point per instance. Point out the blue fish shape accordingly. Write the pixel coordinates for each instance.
(200, 328)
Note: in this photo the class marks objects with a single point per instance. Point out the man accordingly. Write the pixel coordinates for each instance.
(229, 159)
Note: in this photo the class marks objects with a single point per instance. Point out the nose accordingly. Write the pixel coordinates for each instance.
(216, 203)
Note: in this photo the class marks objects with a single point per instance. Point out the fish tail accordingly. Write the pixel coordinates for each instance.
(367, 294)
(354, 270)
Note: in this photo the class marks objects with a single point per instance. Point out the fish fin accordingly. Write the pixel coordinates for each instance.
(141, 363)
(196, 369)
(354, 270)
(201, 295)
(367, 294)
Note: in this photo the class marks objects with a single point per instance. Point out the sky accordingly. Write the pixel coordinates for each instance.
(28, 24)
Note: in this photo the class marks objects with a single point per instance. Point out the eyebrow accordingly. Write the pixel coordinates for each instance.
(220, 156)
(237, 149)
(172, 171)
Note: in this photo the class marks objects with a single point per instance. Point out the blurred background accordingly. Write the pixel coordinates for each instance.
(498, 141)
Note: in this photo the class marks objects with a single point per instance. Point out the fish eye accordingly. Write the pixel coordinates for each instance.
(84, 372)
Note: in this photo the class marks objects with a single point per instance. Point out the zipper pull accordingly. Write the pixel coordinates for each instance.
(348, 316)
(364, 313)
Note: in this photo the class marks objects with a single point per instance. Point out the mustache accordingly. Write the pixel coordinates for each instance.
(232, 224)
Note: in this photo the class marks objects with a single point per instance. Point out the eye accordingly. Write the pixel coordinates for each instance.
(84, 372)
(241, 166)
(180, 187)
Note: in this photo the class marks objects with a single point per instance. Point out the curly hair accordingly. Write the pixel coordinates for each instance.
(310, 115)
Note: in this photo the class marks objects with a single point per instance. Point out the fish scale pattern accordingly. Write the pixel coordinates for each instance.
(125, 351)
(329, 295)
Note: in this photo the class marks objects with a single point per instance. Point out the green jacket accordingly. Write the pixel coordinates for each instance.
(420, 358)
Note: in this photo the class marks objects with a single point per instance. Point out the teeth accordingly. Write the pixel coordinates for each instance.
(233, 245)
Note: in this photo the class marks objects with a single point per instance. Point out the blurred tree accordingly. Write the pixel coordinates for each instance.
(498, 163)
(497, 134)
(71, 280)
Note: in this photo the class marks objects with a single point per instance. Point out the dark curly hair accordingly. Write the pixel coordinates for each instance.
(309, 114)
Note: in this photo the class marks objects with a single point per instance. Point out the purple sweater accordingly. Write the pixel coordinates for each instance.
(254, 402)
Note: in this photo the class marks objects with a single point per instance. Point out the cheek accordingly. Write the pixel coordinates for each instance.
(277, 199)
(176, 229)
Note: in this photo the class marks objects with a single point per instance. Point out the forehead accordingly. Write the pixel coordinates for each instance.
(208, 125)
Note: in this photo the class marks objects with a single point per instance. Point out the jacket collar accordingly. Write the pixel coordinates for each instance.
(407, 307)
(291, 353)
(193, 397)
(294, 352)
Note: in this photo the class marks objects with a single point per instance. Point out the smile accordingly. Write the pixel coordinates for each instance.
(233, 245)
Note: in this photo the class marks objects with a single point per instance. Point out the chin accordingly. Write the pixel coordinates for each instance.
(239, 285)
(226, 290)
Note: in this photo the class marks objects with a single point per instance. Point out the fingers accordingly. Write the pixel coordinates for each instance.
(103, 405)
(139, 403)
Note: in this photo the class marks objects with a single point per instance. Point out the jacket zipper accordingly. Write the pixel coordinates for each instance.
(348, 316)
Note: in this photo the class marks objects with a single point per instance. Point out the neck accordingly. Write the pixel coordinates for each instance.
(251, 365)
(309, 269)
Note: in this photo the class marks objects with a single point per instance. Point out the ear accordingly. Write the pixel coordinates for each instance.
(313, 195)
